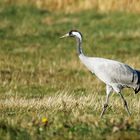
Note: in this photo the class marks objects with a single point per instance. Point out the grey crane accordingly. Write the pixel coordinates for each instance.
(114, 74)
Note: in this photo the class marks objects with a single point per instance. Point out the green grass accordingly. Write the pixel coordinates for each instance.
(42, 77)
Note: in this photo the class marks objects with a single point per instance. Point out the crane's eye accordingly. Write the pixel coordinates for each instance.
(70, 33)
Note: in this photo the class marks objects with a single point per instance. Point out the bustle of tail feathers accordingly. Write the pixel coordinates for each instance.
(138, 83)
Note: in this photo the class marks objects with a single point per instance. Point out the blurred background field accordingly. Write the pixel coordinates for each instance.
(45, 92)
(80, 5)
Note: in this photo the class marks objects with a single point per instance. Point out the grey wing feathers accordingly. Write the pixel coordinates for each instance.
(122, 73)
(113, 72)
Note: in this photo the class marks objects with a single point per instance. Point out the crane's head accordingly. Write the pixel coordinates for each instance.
(73, 33)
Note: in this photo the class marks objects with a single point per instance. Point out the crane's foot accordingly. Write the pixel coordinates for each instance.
(104, 109)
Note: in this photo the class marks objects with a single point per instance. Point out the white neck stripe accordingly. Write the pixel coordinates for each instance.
(77, 35)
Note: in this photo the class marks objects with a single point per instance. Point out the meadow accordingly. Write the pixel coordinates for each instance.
(71, 6)
(46, 93)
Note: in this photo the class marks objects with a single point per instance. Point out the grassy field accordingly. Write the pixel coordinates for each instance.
(71, 6)
(46, 93)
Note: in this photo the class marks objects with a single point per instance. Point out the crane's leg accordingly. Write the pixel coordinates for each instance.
(108, 91)
(125, 103)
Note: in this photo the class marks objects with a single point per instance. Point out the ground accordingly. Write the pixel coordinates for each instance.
(46, 92)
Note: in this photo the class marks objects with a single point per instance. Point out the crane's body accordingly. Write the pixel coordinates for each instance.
(114, 74)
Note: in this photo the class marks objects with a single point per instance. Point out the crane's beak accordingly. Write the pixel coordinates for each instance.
(66, 35)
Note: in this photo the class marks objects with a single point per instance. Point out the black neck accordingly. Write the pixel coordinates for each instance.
(79, 46)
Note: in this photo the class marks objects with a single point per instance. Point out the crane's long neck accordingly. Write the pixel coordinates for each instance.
(79, 46)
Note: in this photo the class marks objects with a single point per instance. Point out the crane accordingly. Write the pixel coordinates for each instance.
(114, 74)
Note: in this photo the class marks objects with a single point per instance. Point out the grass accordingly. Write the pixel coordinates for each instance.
(71, 6)
(42, 77)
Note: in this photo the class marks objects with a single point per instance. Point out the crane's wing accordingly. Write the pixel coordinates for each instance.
(111, 71)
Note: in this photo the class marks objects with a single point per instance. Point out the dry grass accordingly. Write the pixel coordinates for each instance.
(72, 5)
(67, 100)
(55, 102)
